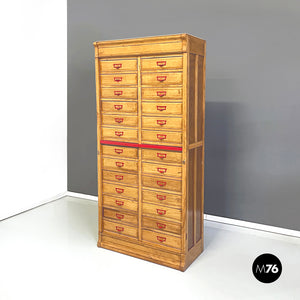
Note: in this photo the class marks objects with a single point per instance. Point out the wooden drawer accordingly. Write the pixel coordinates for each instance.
(161, 198)
(120, 190)
(119, 228)
(119, 203)
(161, 225)
(119, 93)
(120, 120)
(118, 65)
(161, 212)
(119, 134)
(119, 106)
(161, 238)
(118, 79)
(162, 137)
(161, 93)
(119, 164)
(161, 169)
(162, 156)
(161, 63)
(160, 122)
(121, 177)
(162, 79)
(121, 216)
(162, 108)
(161, 183)
(119, 151)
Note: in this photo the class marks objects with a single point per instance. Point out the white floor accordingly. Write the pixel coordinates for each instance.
(50, 253)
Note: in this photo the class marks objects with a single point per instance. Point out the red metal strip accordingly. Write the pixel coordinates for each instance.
(173, 148)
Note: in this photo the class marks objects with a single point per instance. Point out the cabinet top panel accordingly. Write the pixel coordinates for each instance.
(168, 44)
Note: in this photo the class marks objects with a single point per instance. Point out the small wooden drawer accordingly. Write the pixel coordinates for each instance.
(119, 106)
(119, 228)
(125, 178)
(161, 183)
(119, 164)
(161, 63)
(129, 152)
(162, 79)
(162, 122)
(129, 93)
(161, 93)
(161, 212)
(120, 190)
(161, 156)
(161, 169)
(118, 65)
(119, 134)
(119, 203)
(118, 79)
(161, 198)
(162, 137)
(163, 108)
(161, 238)
(120, 216)
(161, 225)
(120, 120)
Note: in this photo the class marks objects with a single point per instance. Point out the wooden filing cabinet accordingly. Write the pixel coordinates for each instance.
(150, 132)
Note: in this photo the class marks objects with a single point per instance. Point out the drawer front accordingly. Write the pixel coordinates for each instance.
(161, 109)
(161, 225)
(161, 93)
(117, 215)
(125, 178)
(118, 79)
(120, 120)
(119, 93)
(120, 190)
(161, 212)
(119, 151)
(119, 203)
(161, 169)
(162, 137)
(118, 65)
(161, 198)
(162, 183)
(161, 79)
(162, 122)
(117, 164)
(119, 134)
(119, 228)
(161, 238)
(119, 106)
(161, 63)
(161, 156)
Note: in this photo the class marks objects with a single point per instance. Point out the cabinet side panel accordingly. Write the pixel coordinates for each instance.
(200, 99)
(198, 197)
(191, 103)
(190, 200)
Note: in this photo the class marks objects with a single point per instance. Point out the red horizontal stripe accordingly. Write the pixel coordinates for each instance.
(161, 147)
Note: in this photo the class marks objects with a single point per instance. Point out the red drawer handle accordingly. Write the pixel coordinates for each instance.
(161, 211)
(119, 120)
(161, 63)
(119, 202)
(119, 164)
(161, 225)
(119, 216)
(162, 170)
(119, 177)
(118, 106)
(161, 78)
(119, 228)
(161, 239)
(117, 66)
(161, 136)
(117, 79)
(118, 151)
(161, 108)
(161, 155)
(161, 197)
(119, 190)
(161, 122)
(119, 133)
(118, 93)
(161, 183)
(161, 93)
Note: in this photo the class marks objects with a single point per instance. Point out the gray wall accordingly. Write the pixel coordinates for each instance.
(253, 88)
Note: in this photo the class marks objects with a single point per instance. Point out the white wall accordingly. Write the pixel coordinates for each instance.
(33, 107)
